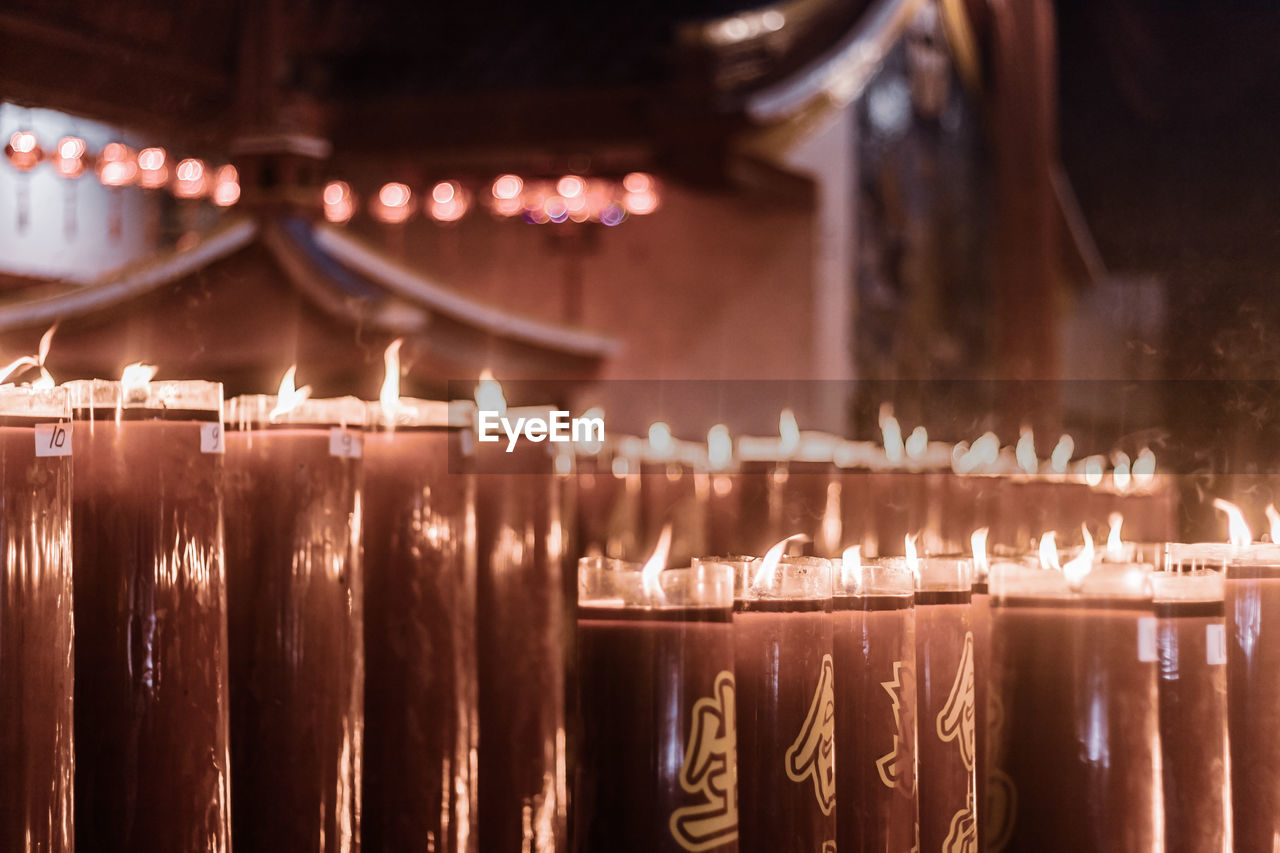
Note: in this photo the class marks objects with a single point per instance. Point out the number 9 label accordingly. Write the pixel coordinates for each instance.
(211, 440)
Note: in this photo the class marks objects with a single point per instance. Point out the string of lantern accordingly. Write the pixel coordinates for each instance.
(535, 200)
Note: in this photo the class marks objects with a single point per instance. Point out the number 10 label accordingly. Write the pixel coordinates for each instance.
(53, 439)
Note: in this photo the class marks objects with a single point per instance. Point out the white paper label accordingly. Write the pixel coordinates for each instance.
(1147, 639)
(211, 439)
(1215, 644)
(345, 443)
(53, 439)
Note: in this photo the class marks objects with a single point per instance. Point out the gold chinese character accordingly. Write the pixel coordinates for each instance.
(711, 770)
(890, 765)
(955, 720)
(813, 753)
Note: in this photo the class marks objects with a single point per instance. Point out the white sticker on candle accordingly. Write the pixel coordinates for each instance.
(53, 439)
(1215, 644)
(1147, 639)
(211, 440)
(344, 443)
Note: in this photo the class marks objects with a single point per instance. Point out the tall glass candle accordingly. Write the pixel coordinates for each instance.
(36, 761)
(526, 603)
(1073, 735)
(151, 709)
(786, 677)
(295, 623)
(1252, 593)
(874, 642)
(421, 728)
(657, 765)
(946, 749)
(1192, 641)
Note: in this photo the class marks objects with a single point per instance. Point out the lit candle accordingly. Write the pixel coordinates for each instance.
(980, 622)
(36, 764)
(295, 622)
(1252, 593)
(1074, 746)
(945, 702)
(875, 695)
(657, 766)
(525, 607)
(1193, 708)
(151, 704)
(419, 625)
(786, 704)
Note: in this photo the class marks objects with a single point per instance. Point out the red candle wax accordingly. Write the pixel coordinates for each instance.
(980, 623)
(1252, 592)
(151, 708)
(295, 623)
(421, 734)
(657, 763)
(525, 607)
(36, 763)
(1193, 708)
(874, 642)
(1073, 733)
(945, 704)
(786, 707)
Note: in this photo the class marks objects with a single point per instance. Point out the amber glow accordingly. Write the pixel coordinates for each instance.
(226, 186)
(1115, 546)
(1121, 475)
(766, 575)
(134, 379)
(116, 166)
(1060, 456)
(1144, 468)
(1238, 532)
(660, 439)
(1025, 452)
(1078, 568)
(788, 431)
(1048, 551)
(288, 397)
(891, 435)
(917, 443)
(69, 161)
(1093, 469)
(389, 394)
(339, 204)
(489, 396)
(1273, 518)
(719, 447)
(978, 546)
(851, 567)
(913, 559)
(654, 566)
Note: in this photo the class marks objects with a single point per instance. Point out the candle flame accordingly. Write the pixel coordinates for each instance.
(851, 567)
(766, 574)
(660, 438)
(913, 559)
(489, 396)
(917, 443)
(1273, 517)
(978, 545)
(1121, 475)
(719, 447)
(1025, 452)
(1060, 457)
(1115, 547)
(1238, 532)
(1049, 551)
(134, 379)
(389, 394)
(958, 454)
(1144, 468)
(1077, 568)
(655, 565)
(287, 397)
(1093, 470)
(985, 450)
(891, 433)
(45, 380)
(789, 431)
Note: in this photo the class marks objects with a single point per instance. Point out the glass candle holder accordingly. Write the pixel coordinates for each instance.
(151, 706)
(873, 628)
(783, 659)
(947, 742)
(36, 742)
(295, 622)
(525, 604)
(421, 683)
(657, 764)
(1252, 599)
(1073, 735)
(1192, 642)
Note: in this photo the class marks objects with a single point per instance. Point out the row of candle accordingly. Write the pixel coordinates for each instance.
(807, 704)
(380, 652)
